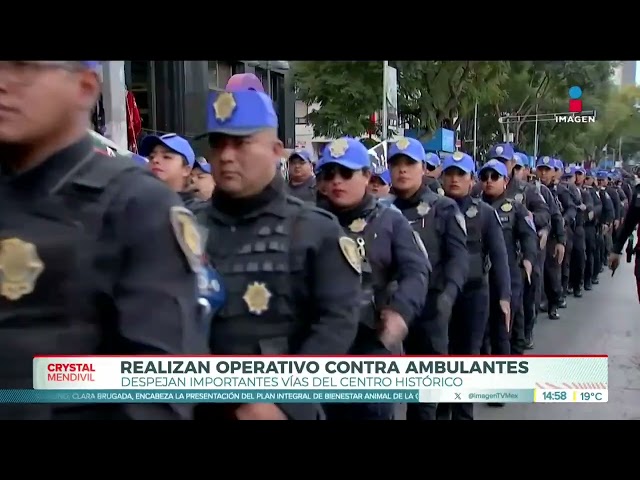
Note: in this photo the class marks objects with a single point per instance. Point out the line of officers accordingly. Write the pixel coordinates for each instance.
(502, 245)
(99, 256)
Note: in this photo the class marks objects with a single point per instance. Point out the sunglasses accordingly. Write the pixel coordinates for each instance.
(329, 173)
(493, 175)
(430, 168)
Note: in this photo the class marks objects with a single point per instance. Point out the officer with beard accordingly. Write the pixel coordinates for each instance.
(522, 248)
(292, 277)
(442, 228)
(584, 181)
(584, 212)
(606, 222)
(78, 276)
(432, 172)
(395, 267)
(486, 247)
(555, 248)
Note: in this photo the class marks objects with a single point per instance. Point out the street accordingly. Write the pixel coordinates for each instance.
(605, 321)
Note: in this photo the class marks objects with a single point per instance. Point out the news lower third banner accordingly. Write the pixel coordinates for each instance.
(292, 379)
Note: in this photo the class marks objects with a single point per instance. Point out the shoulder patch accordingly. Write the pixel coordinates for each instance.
(349, 250)
(188, 236)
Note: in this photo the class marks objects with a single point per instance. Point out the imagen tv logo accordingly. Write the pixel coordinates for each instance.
(576, 113)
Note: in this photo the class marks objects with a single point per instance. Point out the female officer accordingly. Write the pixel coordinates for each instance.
(171, 159)
(394, 267)
(521, 240)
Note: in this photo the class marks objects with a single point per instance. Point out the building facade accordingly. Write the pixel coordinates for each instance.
(172, 95)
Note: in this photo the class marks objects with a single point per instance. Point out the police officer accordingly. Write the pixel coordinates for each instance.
(395, 267)
(201, 180)
(432, 172)
(618, 212)
(292, 278)
(74, 243)
(380, 183)
(629, 224)
(302, 182)
(584, 181)
(584, 211)
(171, 159)
(520, 191)
(606, 222)
(442, 228)
(505, 335)
(531, 294)
(486, 247)
(555, 248)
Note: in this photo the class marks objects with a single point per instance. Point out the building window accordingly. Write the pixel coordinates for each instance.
(302, 113)
(261, 73)
(225, 70)
(140, 87)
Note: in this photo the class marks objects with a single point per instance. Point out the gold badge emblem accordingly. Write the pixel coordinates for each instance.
(358, 225)
(423, 209)
(506, 207)
(20, 267)
(224, 106)
(440, 191)
(338, 147)
(403, 143)
(499, 150)
(472, 212)
(457, 156)
(546, 160)
(188, 236)
(257, 298)
(349, 249)
(519, 197)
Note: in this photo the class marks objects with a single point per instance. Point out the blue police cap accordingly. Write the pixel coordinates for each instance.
(568, 172)
(345, 151)
(545, 161)
(495, 165)
(557, 164)
(459, 160)
(303, 154)
(432, 159)
(384, 175)
(580, 170)
(521, 159)
(239, 113)
(410, 147)
(202, 164)
(172, 142)
(502, 151)
(589, 173)
(601, 175)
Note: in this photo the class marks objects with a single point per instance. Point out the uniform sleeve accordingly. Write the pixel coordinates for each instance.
(155, 292)
(539, 208)
(617, 205)
(557, 223)
(456, 264)
(526, 235)
(336, 291)
(496, 249)
(597, 204)
(631, 220)
(569, 205)
(412, 271)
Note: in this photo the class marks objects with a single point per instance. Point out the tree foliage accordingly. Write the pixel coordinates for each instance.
(435, 94)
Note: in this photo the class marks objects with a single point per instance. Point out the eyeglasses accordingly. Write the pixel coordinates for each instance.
(25, 72)
(493, 175)
(329, 173)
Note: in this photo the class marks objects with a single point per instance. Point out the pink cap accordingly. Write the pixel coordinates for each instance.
(244, 81)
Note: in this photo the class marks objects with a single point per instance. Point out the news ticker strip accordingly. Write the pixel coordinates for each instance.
(347, 373)
(304, 396)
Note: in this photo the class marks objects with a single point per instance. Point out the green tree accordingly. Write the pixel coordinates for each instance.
(348, 93)
(433, 94)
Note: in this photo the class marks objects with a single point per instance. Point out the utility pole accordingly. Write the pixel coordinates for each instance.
(385, 114)
(114, 94)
